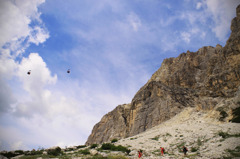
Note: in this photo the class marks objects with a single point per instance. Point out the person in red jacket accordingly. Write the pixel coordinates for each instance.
(162, 151)
(139, 153)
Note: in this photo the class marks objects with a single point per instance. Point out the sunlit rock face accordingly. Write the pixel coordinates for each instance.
(208, 79)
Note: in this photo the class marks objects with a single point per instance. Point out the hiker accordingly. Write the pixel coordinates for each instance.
(162, 151)
(185, 150)
(139, 153)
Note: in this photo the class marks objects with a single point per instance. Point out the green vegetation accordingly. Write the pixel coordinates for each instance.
(155, 138)
(194, 149)
(114, 140)
(164, 137)
(235, 152)
(9, 154)
(199, 142)
(180, 145)
(236, 114)
(112, 147)
(108, 157)
(54, 152)
(93, 146)
(227, 157)
(226, 135)
(84, 152)
(156, 152)
(133, 138)
(69, 149)
(81, 146)
(67, 154)
(223, 134)
(167, 134)
(20, 152)
(33, 157)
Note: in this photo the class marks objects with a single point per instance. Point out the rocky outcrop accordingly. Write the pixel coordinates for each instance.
(207, 79)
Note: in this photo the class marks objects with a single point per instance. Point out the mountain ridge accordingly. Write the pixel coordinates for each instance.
(207, 80)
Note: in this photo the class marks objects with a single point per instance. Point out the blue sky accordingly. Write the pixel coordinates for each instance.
(112, 49)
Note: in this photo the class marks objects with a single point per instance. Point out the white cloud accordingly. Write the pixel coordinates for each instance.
(134, 21)
(35, 85)
(186, 36)
(199, 5)
(13, 24)
(40, 74)
(16, 34)
(222, 12)
(16, 17)
(6, 96)
(38, 35)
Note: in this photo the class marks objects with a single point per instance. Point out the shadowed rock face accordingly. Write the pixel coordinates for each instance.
(206, 79)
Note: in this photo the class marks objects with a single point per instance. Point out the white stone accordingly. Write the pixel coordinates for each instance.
(93, 152)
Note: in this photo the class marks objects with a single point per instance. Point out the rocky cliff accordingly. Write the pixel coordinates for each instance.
(208, 79)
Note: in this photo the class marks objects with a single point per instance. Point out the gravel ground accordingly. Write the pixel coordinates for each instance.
(197, 130)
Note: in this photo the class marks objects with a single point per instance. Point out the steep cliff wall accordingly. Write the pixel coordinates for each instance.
(208, 79)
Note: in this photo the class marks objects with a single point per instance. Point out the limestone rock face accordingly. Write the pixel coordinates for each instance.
(208, 79)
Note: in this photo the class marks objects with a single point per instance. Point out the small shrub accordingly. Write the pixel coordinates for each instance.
(223, 134)
(19, 152)
(34, 152)
(123, 149)
(93, 146)
(167, 134)
(85, 152)
(109, 146)
(155, 138)
(69, 149)
(236, 115)
(133, 138)
(81, 146)
(54, 152)
(199, 142)
(235, 152)
(180, 145)
(114, 140)
(8, 154)
(194, 149)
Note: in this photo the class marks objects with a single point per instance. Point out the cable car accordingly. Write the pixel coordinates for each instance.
(68, 71)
